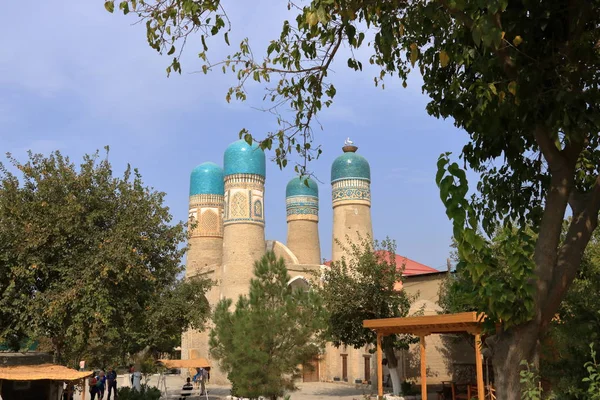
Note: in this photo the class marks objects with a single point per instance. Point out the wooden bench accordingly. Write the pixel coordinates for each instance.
(181, 393)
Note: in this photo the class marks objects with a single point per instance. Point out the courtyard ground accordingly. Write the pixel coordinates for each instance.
(307, 391)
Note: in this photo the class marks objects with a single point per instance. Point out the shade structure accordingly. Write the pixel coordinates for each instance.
(427, 325)
(40, 372)
(190, 363)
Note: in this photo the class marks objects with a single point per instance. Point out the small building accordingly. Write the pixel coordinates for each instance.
(33, 376)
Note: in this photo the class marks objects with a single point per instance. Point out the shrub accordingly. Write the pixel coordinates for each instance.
(146, 393)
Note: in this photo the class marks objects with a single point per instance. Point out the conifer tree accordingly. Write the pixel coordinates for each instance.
(270, 333)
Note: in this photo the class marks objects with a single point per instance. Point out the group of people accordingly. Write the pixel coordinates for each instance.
(100, 382)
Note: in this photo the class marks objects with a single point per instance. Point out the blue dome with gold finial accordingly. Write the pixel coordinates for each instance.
(242, 158)
(206, 178)
(350, 166)
(298, 187)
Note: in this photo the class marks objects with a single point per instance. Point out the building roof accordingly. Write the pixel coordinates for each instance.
(207, 178)
(298, 187)
(411, 267)
(40, 372)
(242, 158)
(350, 165)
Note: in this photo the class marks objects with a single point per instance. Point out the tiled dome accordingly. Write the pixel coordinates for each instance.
(297, 187)
(241, 158)
(350, 165)
(206, 178)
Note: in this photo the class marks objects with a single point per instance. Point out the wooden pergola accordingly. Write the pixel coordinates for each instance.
(427, 325)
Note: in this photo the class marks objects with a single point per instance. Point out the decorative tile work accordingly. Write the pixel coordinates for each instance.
(302, 207)
(258, 211)
(209, 221)
(239, 206)
(351, 190)
(206, 211)
(242, 207)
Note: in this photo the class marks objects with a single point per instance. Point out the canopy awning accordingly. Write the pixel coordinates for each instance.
(428, 324)
(42, 371)
(190, 363)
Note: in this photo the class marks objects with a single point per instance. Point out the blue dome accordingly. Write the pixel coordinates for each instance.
(241, 158)
(297, 187)
(350, 165)
(207, 178)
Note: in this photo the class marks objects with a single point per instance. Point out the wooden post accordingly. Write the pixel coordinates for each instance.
(83, 392)
(423, 368)
(379, 368)
(479, 366)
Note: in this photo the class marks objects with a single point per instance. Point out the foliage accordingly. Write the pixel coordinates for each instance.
(363, 285)
(593, 379)
(494, 278)
(408, 388)
(531, 388)
(520, 77)
(566, 346)
(89, 261)
(146, 393)
(270, 333)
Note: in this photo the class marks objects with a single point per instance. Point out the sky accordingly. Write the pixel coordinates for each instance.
(75, 78)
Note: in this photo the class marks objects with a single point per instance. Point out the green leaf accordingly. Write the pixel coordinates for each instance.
(109, 6)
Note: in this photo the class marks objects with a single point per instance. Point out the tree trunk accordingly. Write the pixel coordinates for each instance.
(509, 348)
(390, 355)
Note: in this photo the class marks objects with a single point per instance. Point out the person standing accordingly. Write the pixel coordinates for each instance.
(131, 371)
(202, 378)
(111, 381)
(101, 385)
(93, 382)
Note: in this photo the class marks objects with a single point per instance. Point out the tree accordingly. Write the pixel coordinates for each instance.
(89, 262)
(364, 285)
(565, 346)
(270, 333)
(520, 77)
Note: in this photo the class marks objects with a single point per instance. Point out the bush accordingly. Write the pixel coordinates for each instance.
(146, 393)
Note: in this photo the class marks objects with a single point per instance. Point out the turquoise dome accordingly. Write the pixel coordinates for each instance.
(297, 187)
(241, 158)
(350, 165)
(207, 178)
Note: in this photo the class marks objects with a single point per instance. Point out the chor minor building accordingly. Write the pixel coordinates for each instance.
(227, 204)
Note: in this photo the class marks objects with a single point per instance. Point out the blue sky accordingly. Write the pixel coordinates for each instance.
(75, 78)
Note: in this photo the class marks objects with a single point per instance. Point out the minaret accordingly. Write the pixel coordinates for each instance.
(206, 213)
(204, 256)
(244, 219)
(351, 198)
(302, 207)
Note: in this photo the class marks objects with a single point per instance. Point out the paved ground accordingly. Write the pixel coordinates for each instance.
(308, 391)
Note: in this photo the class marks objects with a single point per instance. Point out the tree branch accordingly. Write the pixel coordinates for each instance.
(552, 155)
(571, 252)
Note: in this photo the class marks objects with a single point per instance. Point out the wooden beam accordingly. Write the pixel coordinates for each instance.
(479, 366)
(443, 319)
(423, 368)
(379, 368)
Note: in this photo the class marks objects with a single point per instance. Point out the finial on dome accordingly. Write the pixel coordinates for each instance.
(349, 146)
